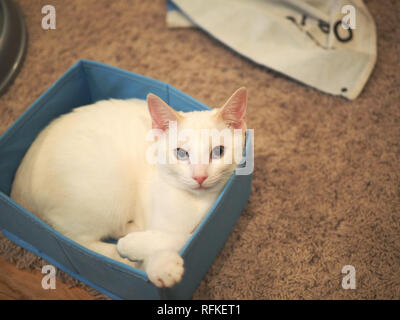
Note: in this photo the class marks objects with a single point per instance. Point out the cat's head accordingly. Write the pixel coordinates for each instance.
(202, 148)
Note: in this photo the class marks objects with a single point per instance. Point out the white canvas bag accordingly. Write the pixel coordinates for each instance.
(305, 40)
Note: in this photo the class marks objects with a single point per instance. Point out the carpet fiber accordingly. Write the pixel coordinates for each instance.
(326, 190)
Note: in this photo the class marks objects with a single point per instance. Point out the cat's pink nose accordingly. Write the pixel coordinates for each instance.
(200, 179)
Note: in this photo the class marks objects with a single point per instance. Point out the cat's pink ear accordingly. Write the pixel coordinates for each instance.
(233, 113)
(160, 112)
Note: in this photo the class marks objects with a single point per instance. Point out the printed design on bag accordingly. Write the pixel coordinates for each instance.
(342, 28)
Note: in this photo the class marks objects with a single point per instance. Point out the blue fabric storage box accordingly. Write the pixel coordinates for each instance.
(84, 83)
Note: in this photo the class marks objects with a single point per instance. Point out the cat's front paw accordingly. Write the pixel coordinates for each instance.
(132, 247)
(165, 269)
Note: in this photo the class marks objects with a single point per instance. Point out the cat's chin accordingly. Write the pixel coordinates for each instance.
(199, 191)
(201, 188)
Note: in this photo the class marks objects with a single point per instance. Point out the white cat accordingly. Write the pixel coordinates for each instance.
(87, 175)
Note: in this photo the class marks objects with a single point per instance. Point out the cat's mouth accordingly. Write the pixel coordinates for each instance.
(203, 188)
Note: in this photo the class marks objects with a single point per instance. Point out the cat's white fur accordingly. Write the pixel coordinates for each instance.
(86, 174)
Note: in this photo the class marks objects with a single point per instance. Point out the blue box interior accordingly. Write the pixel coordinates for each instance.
(84, 83)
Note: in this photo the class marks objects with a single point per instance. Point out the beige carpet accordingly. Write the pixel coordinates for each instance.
(326, 189)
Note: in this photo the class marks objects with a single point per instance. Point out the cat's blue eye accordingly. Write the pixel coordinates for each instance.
(182, 154)
(217, 152)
